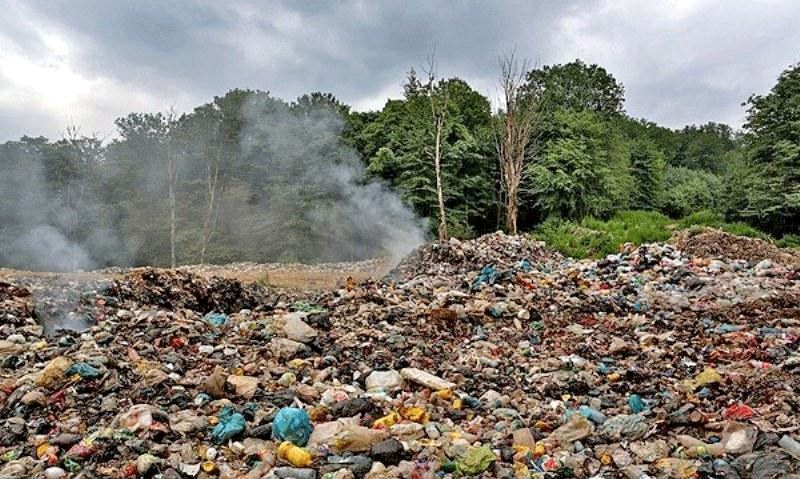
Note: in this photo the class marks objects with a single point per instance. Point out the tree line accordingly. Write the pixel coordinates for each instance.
(217, 185)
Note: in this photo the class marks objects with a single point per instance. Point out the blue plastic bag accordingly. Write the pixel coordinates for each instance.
(488, 275)
(231, 424)
(292, 424)
(636, 403)
(216, 319)
(84, 370)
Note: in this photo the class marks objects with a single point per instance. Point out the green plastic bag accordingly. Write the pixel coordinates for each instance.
(231, 424)
(84, 370)
(475, 461)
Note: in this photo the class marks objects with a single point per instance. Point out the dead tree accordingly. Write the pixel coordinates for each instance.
(439, 113)
(213, 164)
(514, 127)
(172, 156)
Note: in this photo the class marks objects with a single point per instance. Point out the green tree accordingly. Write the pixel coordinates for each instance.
(581, 169)
(576, 86)
(773, 123)
(647, 172)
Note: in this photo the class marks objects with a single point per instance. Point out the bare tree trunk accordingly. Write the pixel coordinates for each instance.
(209, 221)
(172, 171)
(514, 131)
(440, 194)
(439, 112)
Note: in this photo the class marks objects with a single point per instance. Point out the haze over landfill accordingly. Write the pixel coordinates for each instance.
(399, 240)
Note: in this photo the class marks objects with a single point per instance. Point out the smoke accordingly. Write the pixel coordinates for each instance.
(43, 229)
(313, 197)
(290, 190)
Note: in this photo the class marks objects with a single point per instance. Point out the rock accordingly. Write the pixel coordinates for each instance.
(426, 379)
(388, 452)
(297, 330)
(384, 380)
(287, 348)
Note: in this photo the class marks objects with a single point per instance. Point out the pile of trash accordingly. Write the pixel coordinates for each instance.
(177, 289)
(713, 243)
(457, 256)
(492, 357)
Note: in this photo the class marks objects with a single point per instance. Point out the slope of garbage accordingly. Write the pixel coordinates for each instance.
(493, 357)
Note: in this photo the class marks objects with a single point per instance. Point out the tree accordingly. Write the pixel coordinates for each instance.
(515, 125)
(148, 158)
(773, 123)
(438, 100)
(576, 86)
(647, 171)
(581, 169)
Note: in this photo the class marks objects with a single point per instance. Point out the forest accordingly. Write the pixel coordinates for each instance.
(251, 177)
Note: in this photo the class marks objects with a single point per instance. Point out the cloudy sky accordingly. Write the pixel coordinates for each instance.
(78, 62)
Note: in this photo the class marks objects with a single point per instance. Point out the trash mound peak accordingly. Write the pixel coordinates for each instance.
(176, 289)
(460, 257)
(713, 243)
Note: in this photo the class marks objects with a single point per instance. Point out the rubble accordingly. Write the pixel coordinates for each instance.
(492, 357)
(712, 243)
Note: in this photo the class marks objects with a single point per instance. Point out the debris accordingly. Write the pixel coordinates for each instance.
(293, 425)
(491, 356)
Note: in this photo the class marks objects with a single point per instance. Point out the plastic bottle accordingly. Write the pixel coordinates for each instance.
(790, 445)
(697, 448)
(296, 456)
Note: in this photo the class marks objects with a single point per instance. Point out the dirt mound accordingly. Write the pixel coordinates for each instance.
(458, 257)
(712, 243)
(175, 289)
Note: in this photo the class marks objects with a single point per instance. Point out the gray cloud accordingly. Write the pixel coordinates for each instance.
(87, 62)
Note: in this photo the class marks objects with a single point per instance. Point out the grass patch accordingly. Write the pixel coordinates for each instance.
(593, 238)
(716, 220)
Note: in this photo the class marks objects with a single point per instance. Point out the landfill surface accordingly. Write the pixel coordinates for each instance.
(494, 357)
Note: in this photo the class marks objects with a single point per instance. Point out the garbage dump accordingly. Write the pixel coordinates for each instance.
(493, 357)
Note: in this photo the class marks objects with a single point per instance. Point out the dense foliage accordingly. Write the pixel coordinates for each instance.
(221, 183)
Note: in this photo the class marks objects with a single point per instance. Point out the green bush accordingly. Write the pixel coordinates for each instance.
(789, 241)
(597, 238)
(716, 220)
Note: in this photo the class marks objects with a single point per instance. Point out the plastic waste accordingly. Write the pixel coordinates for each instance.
(636, 403)
(215, 319)
(620, 427)
(292, 424)
(345, 435)
(576, 428)
(475, 461)
(53, 370)
(230, 425)
(296, 456)
(697, 448)
(706, 377)
(790, 445)
(84, 370)
(245, 386)
(592, 414)
(738, 438)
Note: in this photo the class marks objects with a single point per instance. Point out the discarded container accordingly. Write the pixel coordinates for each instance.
(293, 425)
(296, 456)
(231, 424)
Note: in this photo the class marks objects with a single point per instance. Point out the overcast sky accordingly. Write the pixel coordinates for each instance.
(89, 62)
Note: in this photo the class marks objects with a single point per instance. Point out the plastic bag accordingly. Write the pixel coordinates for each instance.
(475, 461)
(84, 370)
(216, 319)
(231, 424)
(293, 425)
(296, 456)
